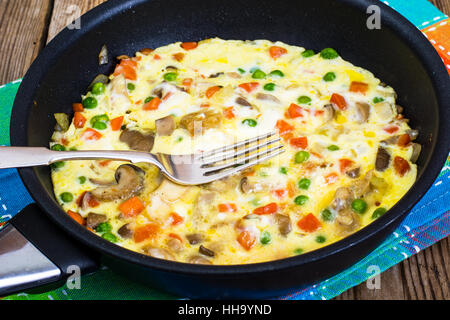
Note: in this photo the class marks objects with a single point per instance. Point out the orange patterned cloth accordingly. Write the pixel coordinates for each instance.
(439, 36)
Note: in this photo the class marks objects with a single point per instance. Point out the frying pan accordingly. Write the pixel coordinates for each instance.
(42, 244)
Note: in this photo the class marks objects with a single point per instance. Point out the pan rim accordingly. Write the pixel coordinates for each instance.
(402, 28)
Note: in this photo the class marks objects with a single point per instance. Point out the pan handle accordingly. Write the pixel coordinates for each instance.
(34, 252)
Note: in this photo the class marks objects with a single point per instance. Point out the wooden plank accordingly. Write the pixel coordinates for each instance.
(66, 11)
(23, 28)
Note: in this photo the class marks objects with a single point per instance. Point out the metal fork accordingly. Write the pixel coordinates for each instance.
(190, 169)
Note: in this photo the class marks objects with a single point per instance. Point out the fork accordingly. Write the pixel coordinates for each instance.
(190, 169)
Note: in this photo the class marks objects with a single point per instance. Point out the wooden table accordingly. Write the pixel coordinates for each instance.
(27, 25)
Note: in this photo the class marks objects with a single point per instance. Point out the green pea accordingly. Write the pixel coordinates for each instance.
(321, 239)
(98, 88)
(179, 139)
(103, 227)
(57, 165)
(378, 212)
(359, 206)
(304, 100)
(82, 179)
(308, 53)
(99, 118)
(170, 76)
(298, 251)
(90, 103)
(241, 71)
(328, 53)
(333, 147)
(148, 99)
(256, 202)
(258, 74)
(283, 170)
(73, 149)
(110, 237)
(269, 86)
(131, 86)
(265, 238)
(304, 183)
(326, 215)
(277, 73)
(301, 156)
(66, 197)
(58, 147)
(330, 76)
(301, 200)
(377, 99)
(250, 122)
(99, 125)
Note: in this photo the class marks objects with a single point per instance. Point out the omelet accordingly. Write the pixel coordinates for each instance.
(350, 154)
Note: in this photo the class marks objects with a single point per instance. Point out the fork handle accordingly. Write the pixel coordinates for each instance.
(17, 157)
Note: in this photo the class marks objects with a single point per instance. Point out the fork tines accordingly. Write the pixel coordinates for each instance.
(242, 154)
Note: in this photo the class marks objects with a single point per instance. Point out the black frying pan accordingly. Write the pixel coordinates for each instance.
(397, 53)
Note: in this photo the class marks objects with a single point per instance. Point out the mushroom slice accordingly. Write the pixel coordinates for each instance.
(384, 111)
(165, 126)
(125, 231)
(159, 253)
(284, 223)
(94, 219)
(103, 55)
(329, 112)
(246, 186)
(137, 140)
(62, 122)
(416, 148)
(233, 75)
(197, 122)
(175, 245)
(353, 173)
(243, 102)
(267, 97)
(130, 182)
(342, 198)
(362, 111)
(194, 238)
(382, 160)
(205, 251)
(170, 191)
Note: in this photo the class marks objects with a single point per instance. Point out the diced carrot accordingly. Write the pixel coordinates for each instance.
(116, 123)
(295, 111)
(339, 101)
(79, 120)
(403, 140)
(331, 178)
(291, 188)
(146, 51)
(315, 154)
(167, 96)
(205, 105)
(175, 236)
(246, 239)
(145, 232)
(280, 193)
(77, 107)
(344, 164)
(157, 57)
(64, 141)
(132, 207)
(309, 223)
(104, 163)
(175, 219)
(189, 45)
(227, 207)
(91, 134)
(153, 104)
(401, 166)
(77, 217)
(267, 209)
(187, 82)
(90, 200)
(318, 112)
(276, 52)
(391, 129)
(283, 127)
(249, 86)
(127, 67)
(229, 113)
(211, 91)
(301, 142)
(178, 56)
(357, 86)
